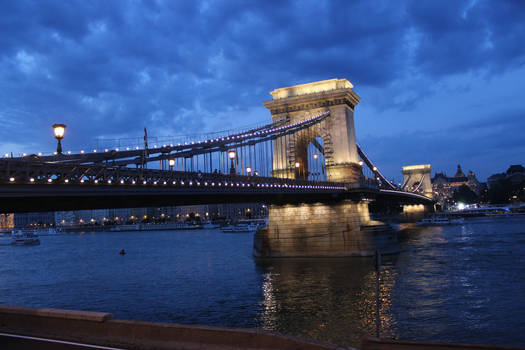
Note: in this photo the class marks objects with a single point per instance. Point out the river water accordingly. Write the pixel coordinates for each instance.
(463, 283)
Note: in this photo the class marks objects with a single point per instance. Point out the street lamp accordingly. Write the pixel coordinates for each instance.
(59, 130)
(297, 170)
(249, 171)
(231, 155)
(171, 162)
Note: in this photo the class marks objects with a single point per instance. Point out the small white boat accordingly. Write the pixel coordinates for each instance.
(439, 221)
(239, 228)
(24, 238)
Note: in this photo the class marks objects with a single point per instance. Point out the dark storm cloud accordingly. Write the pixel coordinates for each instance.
(110, 68)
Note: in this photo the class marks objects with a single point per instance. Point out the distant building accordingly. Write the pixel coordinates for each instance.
(515, 174)
(6, 221)
(444, 186)
(24, 220)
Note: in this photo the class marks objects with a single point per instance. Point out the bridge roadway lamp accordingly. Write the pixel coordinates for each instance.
(59, 130)
(231, 155)
(171, 162)
(249, 170)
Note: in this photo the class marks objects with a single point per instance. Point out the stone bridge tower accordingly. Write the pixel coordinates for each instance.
(341, 228)
(300, 102)
(418, 176)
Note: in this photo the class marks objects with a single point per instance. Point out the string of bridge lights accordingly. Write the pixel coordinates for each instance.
(190, 183)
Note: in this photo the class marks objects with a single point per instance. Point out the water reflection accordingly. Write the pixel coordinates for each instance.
(329, 300)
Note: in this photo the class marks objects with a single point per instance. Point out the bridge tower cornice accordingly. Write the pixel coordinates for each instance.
(313, 100)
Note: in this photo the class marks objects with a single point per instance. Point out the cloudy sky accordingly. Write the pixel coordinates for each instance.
(441, 82)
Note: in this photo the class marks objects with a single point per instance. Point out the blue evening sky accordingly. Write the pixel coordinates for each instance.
(441, 82)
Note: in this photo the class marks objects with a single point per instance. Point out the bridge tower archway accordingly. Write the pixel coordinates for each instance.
(300, 102)
(310, 162)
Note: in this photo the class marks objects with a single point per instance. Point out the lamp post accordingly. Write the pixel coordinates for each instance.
(171, 163)
(297, 169)
(315, 174)
(249, 170)
(231, 155)
(59, 130)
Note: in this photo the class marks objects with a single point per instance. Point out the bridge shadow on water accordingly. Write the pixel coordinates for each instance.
(326, 299)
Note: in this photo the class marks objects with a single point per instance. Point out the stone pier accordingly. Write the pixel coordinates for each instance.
(323, 230)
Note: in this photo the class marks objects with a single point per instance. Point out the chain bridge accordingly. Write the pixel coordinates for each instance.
(305, 164)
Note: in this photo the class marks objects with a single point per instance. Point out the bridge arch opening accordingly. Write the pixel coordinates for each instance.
(310, 163)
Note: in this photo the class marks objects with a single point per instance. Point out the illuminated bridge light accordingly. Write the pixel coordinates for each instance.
(164, 183)
(213, 183)
(137, 147)
(82, 181)
(174, 182)
(106, 150)
(122, 181)
(66, 180)
(154, 182)
(96, 181)
(31, 180)
(49, 180)
(116, 149)
(144, 182)
(191, 183)
(109, 182)
(219, 184)
(133, 182)
(181, 182)
(55, 153)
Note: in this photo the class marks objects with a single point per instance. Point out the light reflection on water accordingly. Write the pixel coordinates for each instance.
(324, 298)
(460, 283)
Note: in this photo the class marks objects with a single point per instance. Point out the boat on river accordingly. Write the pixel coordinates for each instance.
(240, 228)
(24, 238)
(439, 221)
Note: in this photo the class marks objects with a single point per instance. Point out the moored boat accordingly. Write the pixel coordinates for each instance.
(239, 228)
(24, 238)
(439, 221)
